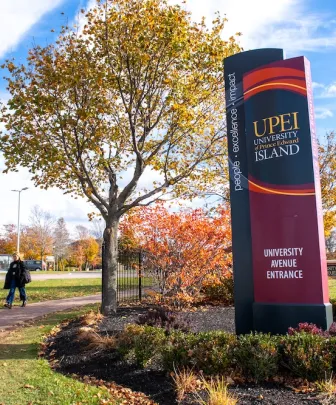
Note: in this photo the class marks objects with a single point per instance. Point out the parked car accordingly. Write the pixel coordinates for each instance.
(5, 261)
(34, 265)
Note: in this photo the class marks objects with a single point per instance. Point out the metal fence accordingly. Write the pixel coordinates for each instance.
(133, 280)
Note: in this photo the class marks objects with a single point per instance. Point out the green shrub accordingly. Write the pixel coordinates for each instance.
(143, 342)
(332, 350)
(306, 355)
(210, 352)
(256, 356)
(220, 292)
(333, 303)
(178, 351)
(213, 352)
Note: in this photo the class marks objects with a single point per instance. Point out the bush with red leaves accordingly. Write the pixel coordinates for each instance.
(306, 327)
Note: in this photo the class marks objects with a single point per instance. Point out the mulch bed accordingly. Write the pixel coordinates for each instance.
(68, 356)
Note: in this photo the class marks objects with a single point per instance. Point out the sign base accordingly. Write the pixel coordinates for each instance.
(277, 318)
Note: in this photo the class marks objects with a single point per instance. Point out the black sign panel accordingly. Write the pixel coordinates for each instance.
(234, 68)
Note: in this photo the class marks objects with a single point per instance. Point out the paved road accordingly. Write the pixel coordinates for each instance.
(10, 318)
(59, 276)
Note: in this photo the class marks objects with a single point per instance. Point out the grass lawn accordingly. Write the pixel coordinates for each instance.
(25, 379)
(45, 290)
(332, 289)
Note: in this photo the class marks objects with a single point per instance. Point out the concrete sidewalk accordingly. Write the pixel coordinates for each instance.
(17, 315)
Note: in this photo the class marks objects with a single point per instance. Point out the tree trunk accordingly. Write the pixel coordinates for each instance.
(110, 267)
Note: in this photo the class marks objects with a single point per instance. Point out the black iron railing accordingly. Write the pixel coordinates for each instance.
(133, 280)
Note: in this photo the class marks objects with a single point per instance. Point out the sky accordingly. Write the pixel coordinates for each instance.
(300, 27)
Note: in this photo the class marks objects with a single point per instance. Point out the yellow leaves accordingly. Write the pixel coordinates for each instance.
(28, 386)
(10, 66)
(4, 138)
(327, 162)
(86, 95)
(82, 114)
(329, 219)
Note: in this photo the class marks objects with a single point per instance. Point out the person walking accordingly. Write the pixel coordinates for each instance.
(16, 277)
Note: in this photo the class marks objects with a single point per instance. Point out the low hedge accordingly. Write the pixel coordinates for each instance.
(210, 352)
(141, 343)
(307, 355)
(256, 356)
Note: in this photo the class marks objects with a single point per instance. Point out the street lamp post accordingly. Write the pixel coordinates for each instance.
(18, 227)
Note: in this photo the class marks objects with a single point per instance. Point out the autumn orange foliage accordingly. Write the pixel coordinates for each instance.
(184, 250)
(84, 252)
(8, 239)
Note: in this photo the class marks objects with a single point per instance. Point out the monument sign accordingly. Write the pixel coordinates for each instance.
(277, 223)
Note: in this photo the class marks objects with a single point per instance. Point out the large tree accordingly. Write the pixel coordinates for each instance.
(8, 239)
(331, 245)
(97, 229)
(85, 249)
(327, 160)
(39, 235)
(137, 93)
(61, 243)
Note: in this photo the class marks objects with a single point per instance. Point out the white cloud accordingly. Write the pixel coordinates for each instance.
(322, 113)
(17, 17)
(325, 90)
(286, 24)
(73, 210)
(317, 85)
(53, 200)
(299, 33)
(329, 91)
(79, 19)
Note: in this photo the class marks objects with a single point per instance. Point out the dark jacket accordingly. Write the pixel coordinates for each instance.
(18, 271)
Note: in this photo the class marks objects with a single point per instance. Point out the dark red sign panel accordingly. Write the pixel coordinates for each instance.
(288, 249)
